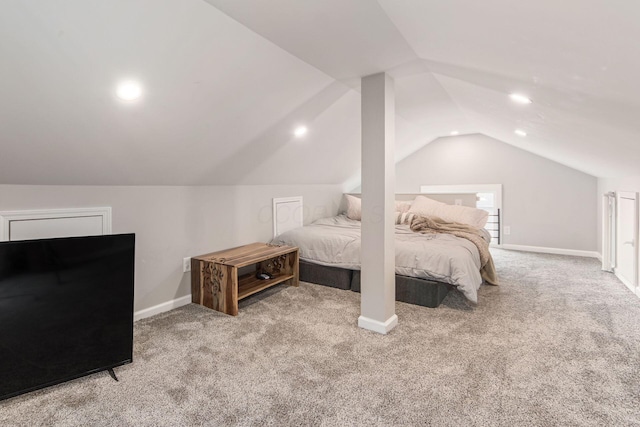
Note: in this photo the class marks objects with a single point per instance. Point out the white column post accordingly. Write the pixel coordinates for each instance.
(378, 282)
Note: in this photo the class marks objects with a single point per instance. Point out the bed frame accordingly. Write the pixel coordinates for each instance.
(427, 293)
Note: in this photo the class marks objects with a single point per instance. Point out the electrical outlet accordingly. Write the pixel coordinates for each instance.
(507, 230)
(186, 264)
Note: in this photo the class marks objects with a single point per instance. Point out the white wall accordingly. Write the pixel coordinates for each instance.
(545, 203)
(605, 185)
(175, 222)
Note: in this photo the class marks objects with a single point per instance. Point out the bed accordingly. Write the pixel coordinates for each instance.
(427, 265)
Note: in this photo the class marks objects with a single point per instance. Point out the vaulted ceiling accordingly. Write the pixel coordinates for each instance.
(225, 82)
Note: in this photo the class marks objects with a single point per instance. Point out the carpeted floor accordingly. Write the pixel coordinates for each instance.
(557, 343)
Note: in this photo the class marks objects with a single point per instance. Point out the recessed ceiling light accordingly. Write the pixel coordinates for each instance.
(520, 99)
(520, 132)
(454, 133)
(300, 131)
(129, 90)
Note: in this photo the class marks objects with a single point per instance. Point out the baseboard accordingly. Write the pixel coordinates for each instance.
(599, 256)
(557, 251)
(161, 308)
(377, 326)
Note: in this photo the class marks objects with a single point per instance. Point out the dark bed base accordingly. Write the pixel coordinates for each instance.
(412, 290)
(328, 276)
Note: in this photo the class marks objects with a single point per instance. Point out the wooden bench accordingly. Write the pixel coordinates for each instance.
(215, 282)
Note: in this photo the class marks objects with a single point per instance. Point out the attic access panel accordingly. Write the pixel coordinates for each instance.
(50, 223)
(287, 214)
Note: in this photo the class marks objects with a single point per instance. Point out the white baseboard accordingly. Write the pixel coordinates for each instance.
(599, 256)
(557, 251)
(161, 308)
(377, 326)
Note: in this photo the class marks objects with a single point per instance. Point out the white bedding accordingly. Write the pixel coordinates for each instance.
(445, 258)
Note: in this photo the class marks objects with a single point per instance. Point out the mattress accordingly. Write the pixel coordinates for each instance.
(444, 258)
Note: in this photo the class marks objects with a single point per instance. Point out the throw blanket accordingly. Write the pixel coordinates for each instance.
(433, 225)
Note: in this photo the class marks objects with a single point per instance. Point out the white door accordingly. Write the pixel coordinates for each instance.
(627, 240)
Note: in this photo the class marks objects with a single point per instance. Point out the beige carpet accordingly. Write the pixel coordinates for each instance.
(556, 344)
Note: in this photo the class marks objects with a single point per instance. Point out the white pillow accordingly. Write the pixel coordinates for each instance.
(354, 207)
(450, 213)
(403, 206)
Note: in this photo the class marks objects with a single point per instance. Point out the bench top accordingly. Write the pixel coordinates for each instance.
(246, 254)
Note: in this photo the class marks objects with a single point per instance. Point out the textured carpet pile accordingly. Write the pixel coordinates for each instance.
(557, 343)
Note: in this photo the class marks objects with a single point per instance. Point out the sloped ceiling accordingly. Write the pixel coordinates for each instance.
(219, 102)
(226, 82)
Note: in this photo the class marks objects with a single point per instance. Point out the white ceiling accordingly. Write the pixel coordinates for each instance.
(226, 82)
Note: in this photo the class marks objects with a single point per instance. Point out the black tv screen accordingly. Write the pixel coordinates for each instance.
(66, 309)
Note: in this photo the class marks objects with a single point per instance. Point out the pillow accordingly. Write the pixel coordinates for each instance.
(450, 213)
(354, 207)
(404, 217)
(403, 206)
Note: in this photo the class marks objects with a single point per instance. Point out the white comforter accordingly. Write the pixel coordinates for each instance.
(445, 258)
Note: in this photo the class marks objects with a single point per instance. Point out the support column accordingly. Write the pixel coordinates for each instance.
(378, 281)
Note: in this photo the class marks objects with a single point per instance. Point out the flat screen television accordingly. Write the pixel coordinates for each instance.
(66, 309)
